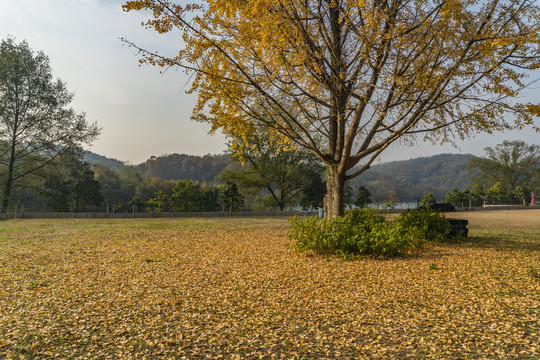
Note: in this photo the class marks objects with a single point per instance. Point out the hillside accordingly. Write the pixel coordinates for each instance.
(411, 179)
(181, 166)
(170, 167)
(94, 158)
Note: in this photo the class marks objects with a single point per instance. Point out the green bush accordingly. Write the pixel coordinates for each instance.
(425, 225)
(428, 200)
(364, 232)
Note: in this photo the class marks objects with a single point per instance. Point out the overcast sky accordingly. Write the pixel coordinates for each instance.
(140, 111)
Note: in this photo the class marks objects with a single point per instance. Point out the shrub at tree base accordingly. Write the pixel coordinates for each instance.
(426, 225)
(363, 232)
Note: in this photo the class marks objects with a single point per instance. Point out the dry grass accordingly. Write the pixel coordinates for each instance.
(234, 288)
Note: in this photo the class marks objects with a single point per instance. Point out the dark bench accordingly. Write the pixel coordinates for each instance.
(459, 227)
(442, 207)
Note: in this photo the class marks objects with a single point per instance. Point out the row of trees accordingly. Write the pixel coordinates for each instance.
(270, 177)
(477, 196)
(508, 174)
(191, 196)
(265, 179)
(261, 179)
(70, 184)
(495, 195)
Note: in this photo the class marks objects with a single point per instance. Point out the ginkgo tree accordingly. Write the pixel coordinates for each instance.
(347, 78)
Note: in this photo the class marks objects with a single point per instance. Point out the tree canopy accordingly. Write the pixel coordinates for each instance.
(181, 166)
(70, 185)
(363, 197)
(344, 79)
(231, 197)
(512, 163)
(283, 174)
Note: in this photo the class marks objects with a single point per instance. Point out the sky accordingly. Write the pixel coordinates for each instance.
(140, 111)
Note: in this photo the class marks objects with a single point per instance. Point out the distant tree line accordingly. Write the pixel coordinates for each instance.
(181, 166)
(264, 178)
(509, 174)
(495, 195)
(72, 184)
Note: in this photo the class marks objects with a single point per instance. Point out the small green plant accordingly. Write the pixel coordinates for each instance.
(433, 267)
(392, 200)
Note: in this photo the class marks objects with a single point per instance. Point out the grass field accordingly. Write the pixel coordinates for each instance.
(235, 289)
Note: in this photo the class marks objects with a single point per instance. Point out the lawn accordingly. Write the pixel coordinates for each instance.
(235, 289)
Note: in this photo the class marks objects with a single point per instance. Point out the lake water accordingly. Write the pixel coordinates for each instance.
(400, 205)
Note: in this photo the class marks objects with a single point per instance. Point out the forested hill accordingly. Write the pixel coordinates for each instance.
(411, 179)
(111, 163)
(170, 167)
(204, 169)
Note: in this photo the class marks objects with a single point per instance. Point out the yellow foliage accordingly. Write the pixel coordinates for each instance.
(347, 78)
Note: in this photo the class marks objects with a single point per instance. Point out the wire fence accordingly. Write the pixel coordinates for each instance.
(145, 215)
(22, 214)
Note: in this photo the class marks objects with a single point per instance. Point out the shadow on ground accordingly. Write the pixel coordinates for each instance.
(505, 241)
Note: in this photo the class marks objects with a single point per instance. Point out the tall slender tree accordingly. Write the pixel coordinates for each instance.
(347, 78)
(231, 197)
(36, 124)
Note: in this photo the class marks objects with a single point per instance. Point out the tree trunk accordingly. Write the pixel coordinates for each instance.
(9, 180)
(281, 204)
(7, 192)
(334, 201)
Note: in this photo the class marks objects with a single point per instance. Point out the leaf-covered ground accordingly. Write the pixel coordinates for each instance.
(235, 289)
